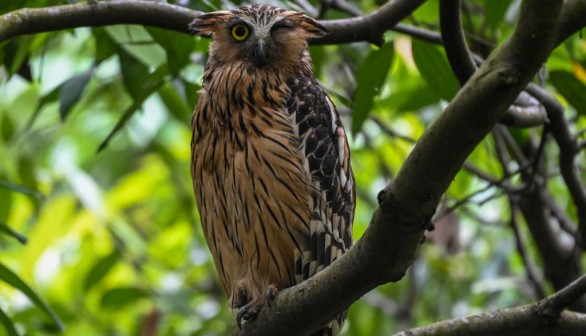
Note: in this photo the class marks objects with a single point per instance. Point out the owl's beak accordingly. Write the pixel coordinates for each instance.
(260, 53)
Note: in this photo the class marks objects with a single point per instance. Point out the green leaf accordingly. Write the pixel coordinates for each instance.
(177, 46)
(370, 77)
(571, 88)
(176, 104)
(133, 74)
(117, 298)
(409, 98)
(6, 204)
(46, 99)
(434, 67)
(16, 53)
(149, 84)
(21, 189)
(105, 45)
(7, 323)
(12, 279)
(191, 93)
(495, 11)
(4, 228)
(72, 90)
(100, 270)
(7, 127)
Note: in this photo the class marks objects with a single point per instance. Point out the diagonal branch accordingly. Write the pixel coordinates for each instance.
(388, 246)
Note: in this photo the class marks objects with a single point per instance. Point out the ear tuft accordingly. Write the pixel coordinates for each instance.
(206, 24)
(313, 29)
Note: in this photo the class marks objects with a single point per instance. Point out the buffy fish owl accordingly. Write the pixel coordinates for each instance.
(270, 159)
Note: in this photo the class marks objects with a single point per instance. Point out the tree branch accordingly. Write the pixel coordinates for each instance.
(572, 19)
(459, 56)
(370, 27)
(157, 14)
(556, 303)
(407, 204)
(24, 21)
(102, 13)
(518, 321)
(389, 245)
(568, 149)
(530, 270)
(526, 111)
(561, 261)
(544, 318)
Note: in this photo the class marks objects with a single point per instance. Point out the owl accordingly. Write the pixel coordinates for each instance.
(270, 160)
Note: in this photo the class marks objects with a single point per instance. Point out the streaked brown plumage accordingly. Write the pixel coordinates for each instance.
(270, 160)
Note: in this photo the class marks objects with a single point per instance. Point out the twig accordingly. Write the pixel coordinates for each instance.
(526, 111)
(369, 27)
(454, 42)
(419, 33)
(520, 244)
(568, 148)
(553, 305)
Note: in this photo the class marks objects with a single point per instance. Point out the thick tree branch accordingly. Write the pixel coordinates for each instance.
(486, 96)
(389, 245)
(572, 19)
(407, 204)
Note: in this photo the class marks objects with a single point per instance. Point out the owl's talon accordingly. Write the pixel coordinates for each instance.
(271, 294)
(247, 312)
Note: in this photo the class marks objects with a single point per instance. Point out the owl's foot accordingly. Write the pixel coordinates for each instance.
(271, 294)
(240, 296)
(250, 310)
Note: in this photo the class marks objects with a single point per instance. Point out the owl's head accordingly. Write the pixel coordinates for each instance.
(260, 35)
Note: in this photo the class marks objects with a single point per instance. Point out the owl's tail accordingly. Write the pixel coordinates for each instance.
(334, 327)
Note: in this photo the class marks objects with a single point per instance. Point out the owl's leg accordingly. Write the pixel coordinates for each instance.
(239, 295)
(251, 309)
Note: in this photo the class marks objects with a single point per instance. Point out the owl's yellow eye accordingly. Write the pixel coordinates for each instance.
(240, 32)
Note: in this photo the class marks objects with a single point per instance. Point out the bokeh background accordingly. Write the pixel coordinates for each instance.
(99, 234)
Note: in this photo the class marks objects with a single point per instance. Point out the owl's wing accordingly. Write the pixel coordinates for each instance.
(327, 162)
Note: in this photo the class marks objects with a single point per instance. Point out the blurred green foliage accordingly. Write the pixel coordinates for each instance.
(99, 234)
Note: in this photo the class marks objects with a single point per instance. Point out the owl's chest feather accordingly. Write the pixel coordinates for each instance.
(238, 108)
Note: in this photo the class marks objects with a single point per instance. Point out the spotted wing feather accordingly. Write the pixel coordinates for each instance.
(327, 160)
